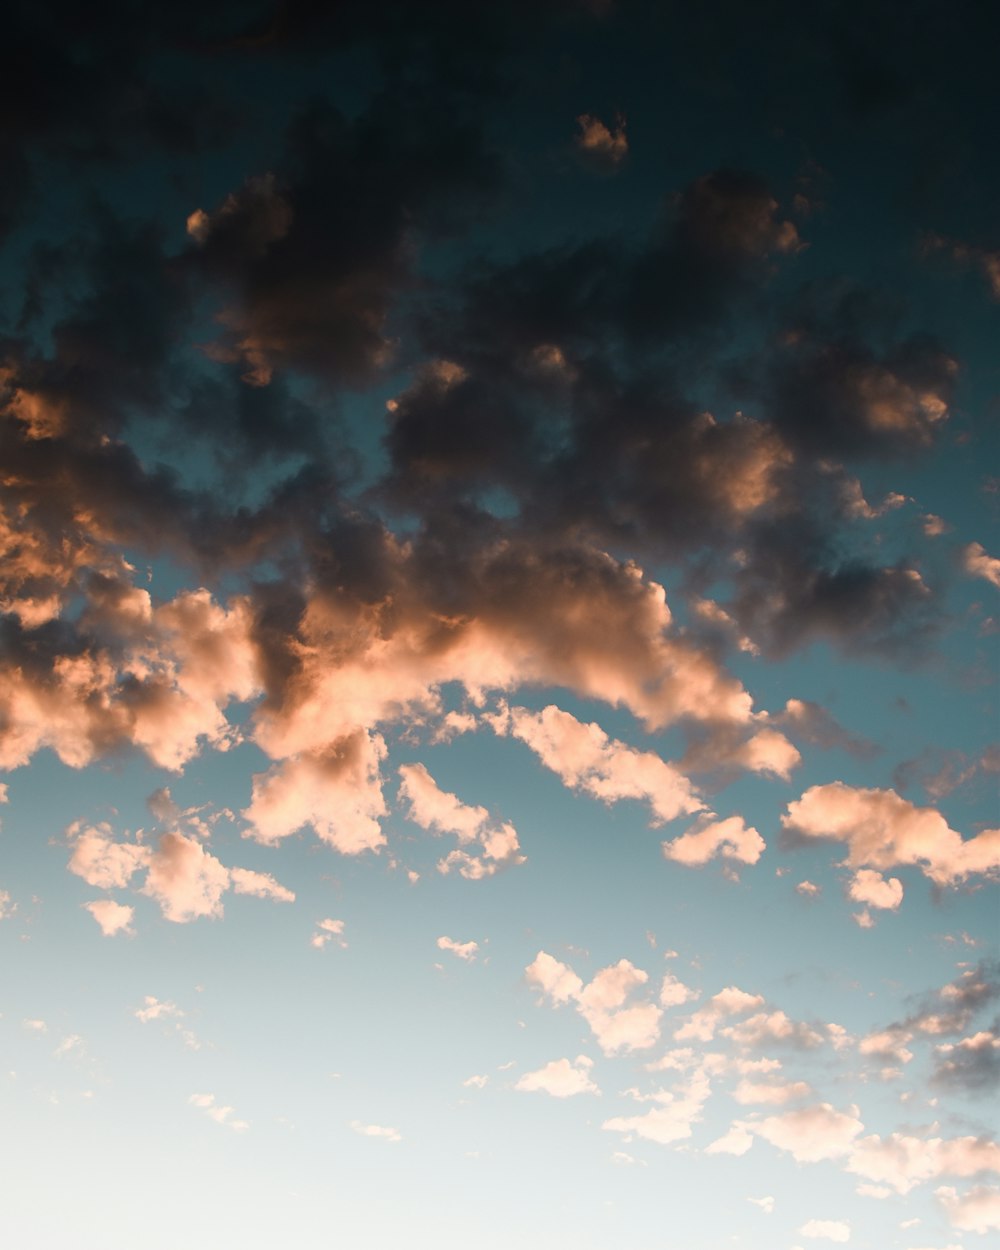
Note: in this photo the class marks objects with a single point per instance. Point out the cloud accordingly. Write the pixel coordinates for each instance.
(976, 1211)
(602, 1002)
(902, 1161)
(672, 1118)
(970, 1065)
(882, 830)
(186, 880)
(381, 1131)
(812, 1134)
(112, 917)
(870, 887)
(215, 1111)
(338, 792)
(462, 950)
(584, 758)
(562, 1078)
(755, 1093)
(828, 1230)
(702, 1024)
(328, 930)
(102, 861)
(438, 811)
(732, 838)
(603, 148)
(977, 563)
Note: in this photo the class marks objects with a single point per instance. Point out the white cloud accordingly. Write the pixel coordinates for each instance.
(674, 1115)
(585, 758)
(562, 1078)
(976, 1211)
(328, 930)
(811, 1134)
(766, 1203)
(731, 838)
(828, 1230)
(882, 830)
(463, 950)
(382, 1131)
(215, 1111)
(603, 1002)
(112, 917)
(731, 1001)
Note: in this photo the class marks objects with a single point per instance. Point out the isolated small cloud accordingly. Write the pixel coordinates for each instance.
(462, 950)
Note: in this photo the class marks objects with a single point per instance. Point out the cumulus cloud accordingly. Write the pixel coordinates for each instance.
(812, 1134)
(462, 950)
(672, 1117)
(731, 1001)
(562, 1078)
(971, 1064)
(882, 830)
(903, 1161)
(603, 1002)
(492, 846)
(975, 1211)
(337, 791)
(584, 758)
(731, 838)
(112, 917)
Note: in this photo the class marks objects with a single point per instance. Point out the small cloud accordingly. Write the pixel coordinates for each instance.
(562, 1078)
(830, 1230)
(463, 950)
(603, 147)
(377, 1130)
(327, 931)
(218, 1113)
(112, 917)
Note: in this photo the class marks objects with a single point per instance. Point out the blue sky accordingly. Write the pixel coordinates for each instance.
(498, 616)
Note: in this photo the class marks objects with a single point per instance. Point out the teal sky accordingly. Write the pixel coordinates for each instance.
(498, 617)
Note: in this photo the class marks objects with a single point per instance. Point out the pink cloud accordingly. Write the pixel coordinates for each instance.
(882, 830)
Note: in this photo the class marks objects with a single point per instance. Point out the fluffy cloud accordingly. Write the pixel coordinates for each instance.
(584, 758)
(182, 875)
(111, 916)
(338, 792)
(439, 811)
(882, 830)
(463, 950)
(812, 1134)
(976, 1211)
(102, 861)
(971, 1064)
(562, 1078)
(731, 838)
(603, 1002)
(673, 1116)
(903, 1161)
(731, 1001)
(871, 888)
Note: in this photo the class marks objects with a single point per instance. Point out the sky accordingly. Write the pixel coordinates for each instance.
(498, 626)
